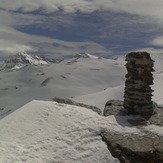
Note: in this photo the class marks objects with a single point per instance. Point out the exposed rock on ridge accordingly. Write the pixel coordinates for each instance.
(143, 147)
(147, 148)
(23, 59)
(71, 102)
(146, 144)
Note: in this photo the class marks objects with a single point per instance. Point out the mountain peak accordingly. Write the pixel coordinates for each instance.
(22, 59)
(85, 55)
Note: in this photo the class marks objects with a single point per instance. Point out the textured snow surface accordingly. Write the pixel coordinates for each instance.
(48, 132)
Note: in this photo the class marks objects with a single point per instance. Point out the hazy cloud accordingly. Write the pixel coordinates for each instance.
(143, 7)
(12, 40)
(158, 41)
(138, 23)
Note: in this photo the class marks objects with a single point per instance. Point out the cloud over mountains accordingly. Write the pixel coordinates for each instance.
(63, 27)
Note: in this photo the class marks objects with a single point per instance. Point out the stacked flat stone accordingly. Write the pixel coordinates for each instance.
(138, 93)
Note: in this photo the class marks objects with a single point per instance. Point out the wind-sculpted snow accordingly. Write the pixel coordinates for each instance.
(46, 132)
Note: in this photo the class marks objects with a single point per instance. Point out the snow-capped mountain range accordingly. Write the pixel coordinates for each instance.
(23, 59)
(85, 55)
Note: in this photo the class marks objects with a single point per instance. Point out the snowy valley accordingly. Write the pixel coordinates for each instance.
(71, 78)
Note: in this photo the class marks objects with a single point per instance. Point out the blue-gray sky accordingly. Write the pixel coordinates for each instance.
(67, 27)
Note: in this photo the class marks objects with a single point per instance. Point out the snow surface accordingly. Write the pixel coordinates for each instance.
(99, 99)
(88, 80)
(46, 132)
(67, 79)
(49, 132)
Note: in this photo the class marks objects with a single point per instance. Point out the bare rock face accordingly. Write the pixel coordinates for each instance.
(132, 148)
(138, 93)
(145, 144)
(71, 102)
(114, 107)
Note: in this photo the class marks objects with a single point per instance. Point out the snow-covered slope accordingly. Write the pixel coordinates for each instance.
(44, 82)
(99, 98)
(86, 79)
(46, 132)
(49, 132)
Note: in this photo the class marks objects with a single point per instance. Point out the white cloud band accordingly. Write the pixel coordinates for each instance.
(143, 7)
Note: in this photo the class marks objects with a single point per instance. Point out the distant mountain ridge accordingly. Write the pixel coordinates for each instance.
(82, 56)
(85, 55)
(23, 59)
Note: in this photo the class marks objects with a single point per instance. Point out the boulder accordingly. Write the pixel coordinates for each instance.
(146, 146)
(114, 107)
(133, 148)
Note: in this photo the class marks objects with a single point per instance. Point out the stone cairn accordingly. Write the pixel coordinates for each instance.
(138, 93)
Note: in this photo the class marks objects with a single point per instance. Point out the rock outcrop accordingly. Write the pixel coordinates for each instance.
(133, 148)
(143, 146)
(114, 107)
(71, 102)
(144, 116)
(138, 93)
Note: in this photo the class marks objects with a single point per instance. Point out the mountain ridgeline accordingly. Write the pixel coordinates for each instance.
(23, 59)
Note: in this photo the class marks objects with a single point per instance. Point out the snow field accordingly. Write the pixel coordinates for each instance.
(49, 132)
(46, 132)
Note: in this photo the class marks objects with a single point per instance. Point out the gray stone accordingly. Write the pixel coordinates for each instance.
(157, 118)
(144, 147)
(71, 102)
(135, 148)
(114, 107)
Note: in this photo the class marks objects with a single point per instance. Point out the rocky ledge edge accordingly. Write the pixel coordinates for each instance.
(146, 146)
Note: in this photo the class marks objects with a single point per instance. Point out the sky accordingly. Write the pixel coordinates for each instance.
(65, 27)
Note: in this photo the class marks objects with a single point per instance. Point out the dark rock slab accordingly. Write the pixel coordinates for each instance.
(71, 102)
(147, 148)
(114, 107)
